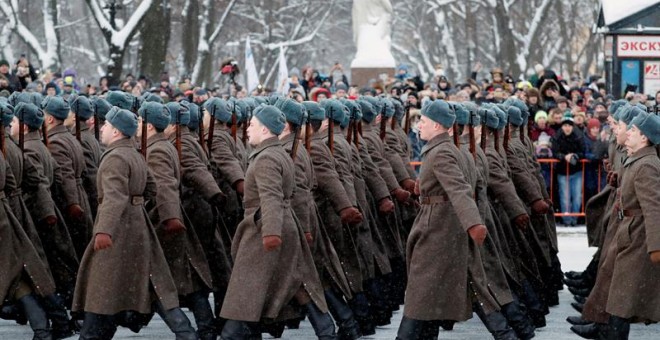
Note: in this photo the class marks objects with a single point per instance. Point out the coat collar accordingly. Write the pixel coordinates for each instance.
(287, 139)
(268, 143)
(122, 143)
(33, 135)
(159, 137)
(642, 153)
(58, 129)
(435, 141)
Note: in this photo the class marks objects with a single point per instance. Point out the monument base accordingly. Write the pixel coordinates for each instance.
(361, 76)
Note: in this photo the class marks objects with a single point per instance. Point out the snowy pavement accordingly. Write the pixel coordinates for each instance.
(574, 255)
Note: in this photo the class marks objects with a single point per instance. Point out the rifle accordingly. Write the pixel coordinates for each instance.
(496, 133)
(233, 123)
(178, 135)
(296, 137)
(383, 123)
(331, 131)
(77, 120)
(457, 141)
(44, 132)
(245, 126)
(507, 135)
(209, 138)
(143, 138)
(484, 133)
(308, 135)
(473, 142)
(21, 133)
(356, 134)
(521, 131)
(200, 131)
(406, 126)
(97, 130)
(2, 133)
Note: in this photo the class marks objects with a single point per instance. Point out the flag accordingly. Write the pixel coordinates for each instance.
(250, 69)
(283, 74)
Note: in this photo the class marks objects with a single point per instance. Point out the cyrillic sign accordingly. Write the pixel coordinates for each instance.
(644, 46)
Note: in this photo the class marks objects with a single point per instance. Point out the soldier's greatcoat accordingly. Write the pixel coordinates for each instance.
(69, 156)
(437, 251)
(183, 251)
(636, 280)
(108, 283)
(92, 153)
(263, 282)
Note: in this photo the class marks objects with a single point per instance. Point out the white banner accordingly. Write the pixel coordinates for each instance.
(638, 46)
(283, 75)
(250, 68)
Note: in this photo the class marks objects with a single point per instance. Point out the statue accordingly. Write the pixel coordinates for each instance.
(372, 34)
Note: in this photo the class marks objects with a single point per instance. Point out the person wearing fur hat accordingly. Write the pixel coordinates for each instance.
(272, 261)
(107, 289)
(70, 194)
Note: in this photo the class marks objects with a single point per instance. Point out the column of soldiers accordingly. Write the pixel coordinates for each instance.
(120, 207)
(621, 282)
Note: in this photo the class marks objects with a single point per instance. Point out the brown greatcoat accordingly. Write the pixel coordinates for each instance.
(56, 240)
(18, 257)
(183, 252)
(92, 153)
(263, 282)
(331, 197)
(437, 251)
(69, 156)
(132, 273)
(323, 251)
(198, 186)
(635, 289)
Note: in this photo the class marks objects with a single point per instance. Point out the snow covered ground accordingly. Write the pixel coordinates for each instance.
(574, 255)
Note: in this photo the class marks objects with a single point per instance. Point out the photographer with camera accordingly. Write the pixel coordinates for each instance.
(568, 147)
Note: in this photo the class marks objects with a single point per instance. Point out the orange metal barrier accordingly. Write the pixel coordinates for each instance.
(551, 162)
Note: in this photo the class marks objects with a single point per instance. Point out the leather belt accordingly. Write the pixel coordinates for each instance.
(629, 213)
(434, 199)
(135, 200)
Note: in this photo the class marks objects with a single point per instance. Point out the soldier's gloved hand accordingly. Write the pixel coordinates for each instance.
(521, 221)
(271, 242)
(655, 257)
(401, 195)
(49, 221)
(549, 201)
(478, 233)
(540, 207)
(385, 206)
(417, 192)
(75, 212)
(309, 238)
(350, 215)
(102, 241)
(173, 226)
(613, 179)
(238, 186)
(408, 185)
(218, 200)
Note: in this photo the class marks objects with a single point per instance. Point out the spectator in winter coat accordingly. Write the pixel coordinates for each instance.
(533, 101)
(12, 81)
(596, 144)
(568, 148)
(541, 126)
(555, 119)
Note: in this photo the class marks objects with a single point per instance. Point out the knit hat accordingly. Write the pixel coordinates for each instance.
(155, 114)
(368, 110)
(271, 117)
(30, 115)
(218, 108)
(567, 119)
(649, 126)
(489, 117)
(539, 115)
(56, 107)
(334, 109)
(4, 62)
(7, 112)
(593, 123)
(440, 112)
(314, 110)
(515, 116)
(193, 124)
(294, 112)
(179, 113)
(123, 120)
(120, 99)
(82, 107)
(102, 107)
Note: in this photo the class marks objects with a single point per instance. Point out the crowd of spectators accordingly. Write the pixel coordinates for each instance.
(568, 117)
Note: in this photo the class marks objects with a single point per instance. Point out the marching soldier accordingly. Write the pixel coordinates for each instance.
(83, 110)
(108, 286)
(447, 219)
(181, 247)
(272, 262)
(68, 154)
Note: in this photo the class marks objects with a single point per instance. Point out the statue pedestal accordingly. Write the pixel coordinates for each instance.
(361, 76)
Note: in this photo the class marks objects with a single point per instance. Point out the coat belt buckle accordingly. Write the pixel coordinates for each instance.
(620, 215)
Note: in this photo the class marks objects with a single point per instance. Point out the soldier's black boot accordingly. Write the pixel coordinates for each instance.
(361, 312)
(348, 327)
(218, 299)
(98, 327)
(56, 312)
(11, 311)
(324, 327)
(198, 303)
(178, 322)
(618, 328)
(518, 319)
(378, 297)
(447, 325)
(239, 330)
(535, 309)
(430, 331)
(496, 324)
(410, 329)
(36, 316)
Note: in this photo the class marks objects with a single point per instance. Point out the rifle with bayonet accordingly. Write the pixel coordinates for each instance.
(406, 123)
(233, 123)
(331, 130)
(296, 135)
(383, 122)
(77, 117)
(473, 142)
(143, 138)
